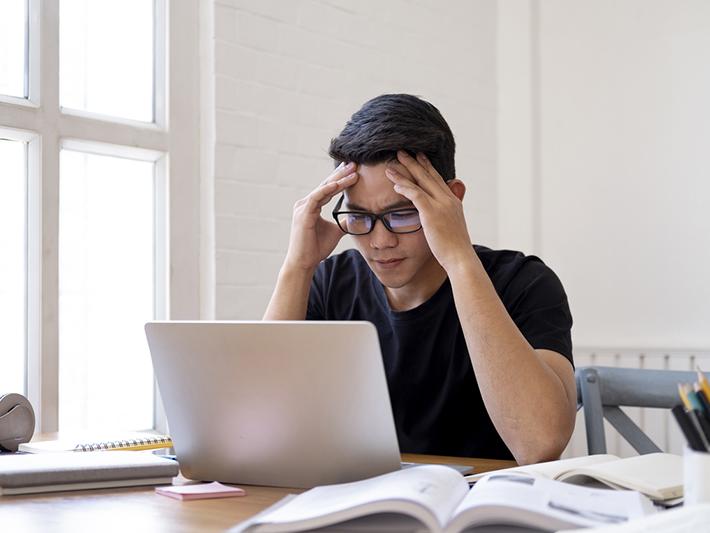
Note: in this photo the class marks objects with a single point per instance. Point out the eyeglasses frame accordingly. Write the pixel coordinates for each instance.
(374, 217)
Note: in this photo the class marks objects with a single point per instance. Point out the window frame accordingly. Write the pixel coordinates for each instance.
(172, 141)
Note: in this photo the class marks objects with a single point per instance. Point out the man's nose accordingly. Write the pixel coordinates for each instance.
(381, 237)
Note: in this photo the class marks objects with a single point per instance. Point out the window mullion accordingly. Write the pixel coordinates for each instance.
(43, 344)
(120, 133)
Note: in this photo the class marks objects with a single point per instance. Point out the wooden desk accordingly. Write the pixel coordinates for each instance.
(138, 509)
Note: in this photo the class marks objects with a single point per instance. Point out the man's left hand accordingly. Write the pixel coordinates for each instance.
(439, 205)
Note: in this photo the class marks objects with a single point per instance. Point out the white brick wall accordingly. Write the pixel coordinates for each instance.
(288, 75)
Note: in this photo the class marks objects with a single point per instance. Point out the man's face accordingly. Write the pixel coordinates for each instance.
(396, 259)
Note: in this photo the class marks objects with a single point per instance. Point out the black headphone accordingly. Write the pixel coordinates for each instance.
(17, 421)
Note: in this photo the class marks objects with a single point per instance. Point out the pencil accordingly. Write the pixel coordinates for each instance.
(684, 396)
(703, 382)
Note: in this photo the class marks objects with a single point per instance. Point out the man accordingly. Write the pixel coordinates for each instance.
(476, 343)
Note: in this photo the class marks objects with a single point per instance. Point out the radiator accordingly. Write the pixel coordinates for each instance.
(658, 424)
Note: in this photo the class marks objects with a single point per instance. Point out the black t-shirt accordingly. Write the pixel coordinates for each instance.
(435, 398)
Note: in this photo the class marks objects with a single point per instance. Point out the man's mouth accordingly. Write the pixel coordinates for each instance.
(389, 263)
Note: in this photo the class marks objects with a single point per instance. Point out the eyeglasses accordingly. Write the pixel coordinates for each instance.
(360, 223)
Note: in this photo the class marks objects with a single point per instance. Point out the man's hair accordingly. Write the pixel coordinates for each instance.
(392, 122)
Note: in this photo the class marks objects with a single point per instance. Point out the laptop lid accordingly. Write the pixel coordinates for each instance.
(291, 404)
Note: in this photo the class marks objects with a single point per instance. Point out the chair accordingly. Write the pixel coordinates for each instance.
(602, 391)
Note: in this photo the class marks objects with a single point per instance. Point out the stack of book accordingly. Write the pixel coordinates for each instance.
(55, 465)
(26, 473)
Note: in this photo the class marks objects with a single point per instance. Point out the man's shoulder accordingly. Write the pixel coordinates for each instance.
(505, 266)
(494, 260)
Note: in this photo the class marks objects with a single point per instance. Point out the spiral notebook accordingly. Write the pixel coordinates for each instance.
(93, 442)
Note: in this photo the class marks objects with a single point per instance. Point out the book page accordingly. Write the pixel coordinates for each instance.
(682, 520)
(551, 469)
(429, 493)
(658, 475)
(516, 500)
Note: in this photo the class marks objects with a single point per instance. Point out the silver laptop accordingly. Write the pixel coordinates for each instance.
(290, 404)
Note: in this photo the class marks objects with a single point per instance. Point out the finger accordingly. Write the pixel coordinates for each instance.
(426, 163)
(399, 175)
(400, 169)
(412, 192)
(342, 170)
(324, 193)
(420, 175)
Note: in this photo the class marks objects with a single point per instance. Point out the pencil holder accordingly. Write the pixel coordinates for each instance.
(696, 477)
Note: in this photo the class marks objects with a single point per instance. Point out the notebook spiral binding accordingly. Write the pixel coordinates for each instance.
(156, 442)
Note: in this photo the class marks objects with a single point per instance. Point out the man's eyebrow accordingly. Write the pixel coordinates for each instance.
(396, 205)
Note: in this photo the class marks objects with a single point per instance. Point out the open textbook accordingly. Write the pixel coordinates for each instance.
(682, 520)
(657, 475)
(436, 498)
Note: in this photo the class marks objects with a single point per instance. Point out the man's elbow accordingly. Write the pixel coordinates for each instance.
(548, 447)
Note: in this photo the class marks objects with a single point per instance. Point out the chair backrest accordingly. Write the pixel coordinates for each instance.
(601, 391)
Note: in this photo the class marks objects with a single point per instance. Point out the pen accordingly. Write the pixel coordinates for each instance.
(696, 420)
(688, 429)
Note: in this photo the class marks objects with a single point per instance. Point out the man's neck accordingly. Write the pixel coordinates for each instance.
(418, 290)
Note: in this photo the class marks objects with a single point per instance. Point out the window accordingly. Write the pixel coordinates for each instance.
(94, 191)
(13, 47)
(106, 58)
(12, 266)
(107, 283)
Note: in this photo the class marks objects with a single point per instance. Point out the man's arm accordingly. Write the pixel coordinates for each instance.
(312, 239)
(529, 394)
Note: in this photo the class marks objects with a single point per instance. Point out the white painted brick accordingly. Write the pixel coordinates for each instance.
(252, 234)
(323, 81)
(323, 18)
(344, 5)
(314, 111)
(320, 49)
(248, 268)
(368, 7)
(230, 94)
(280, 10)
(278, 71)
(225, 22)
(295, 170)
(236, 198)
(366, 33)
(251, 98)
(242, 303)
(236, 129)
(257, 31)
(246, 164)
(235, 61)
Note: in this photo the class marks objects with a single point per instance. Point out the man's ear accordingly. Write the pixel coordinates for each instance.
(457, 187)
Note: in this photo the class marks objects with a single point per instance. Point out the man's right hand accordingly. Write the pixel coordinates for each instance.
(312, 237)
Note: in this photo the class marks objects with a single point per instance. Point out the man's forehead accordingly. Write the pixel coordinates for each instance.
(375, 203)
(373, 191)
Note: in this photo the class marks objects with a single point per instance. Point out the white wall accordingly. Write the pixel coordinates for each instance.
(287, 76)
(619, 130)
